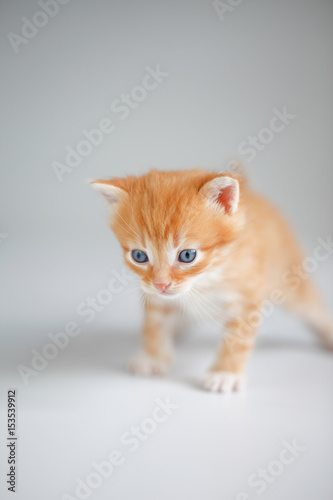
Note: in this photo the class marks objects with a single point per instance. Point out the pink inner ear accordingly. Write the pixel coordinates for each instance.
(226, 197)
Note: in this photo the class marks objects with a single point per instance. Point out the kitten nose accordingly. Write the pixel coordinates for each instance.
(163, 286)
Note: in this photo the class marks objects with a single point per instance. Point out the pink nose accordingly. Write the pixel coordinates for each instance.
(162, 286)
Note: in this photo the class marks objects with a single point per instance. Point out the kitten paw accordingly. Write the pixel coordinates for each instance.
(215, 381)
(143, 364)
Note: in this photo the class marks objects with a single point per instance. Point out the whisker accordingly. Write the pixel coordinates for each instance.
(211, 307)
(190, 302)
(134, 232)
(124, 228)
(213, 315)
(220, 311)
(198, 310)
(204, 294)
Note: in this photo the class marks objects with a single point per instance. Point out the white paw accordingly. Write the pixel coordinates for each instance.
(222, 381)
(143, 364)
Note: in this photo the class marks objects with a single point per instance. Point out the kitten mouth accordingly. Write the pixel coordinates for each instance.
(161, 293)
(166, 294)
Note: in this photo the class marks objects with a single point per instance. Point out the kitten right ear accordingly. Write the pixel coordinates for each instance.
(222, 191)
(111, 192)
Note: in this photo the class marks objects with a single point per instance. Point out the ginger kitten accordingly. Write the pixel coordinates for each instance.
(193, 235)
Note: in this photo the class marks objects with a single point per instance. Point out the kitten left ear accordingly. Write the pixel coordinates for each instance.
(112, 193)
(223, 191)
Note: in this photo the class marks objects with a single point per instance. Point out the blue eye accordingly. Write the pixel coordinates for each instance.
(187, 255)
(139, 256)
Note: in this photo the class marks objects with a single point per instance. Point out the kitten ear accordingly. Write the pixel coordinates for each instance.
(111, 192)
(224, 192)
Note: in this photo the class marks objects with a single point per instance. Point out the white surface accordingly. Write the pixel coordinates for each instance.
(76, 410)
(226, 78)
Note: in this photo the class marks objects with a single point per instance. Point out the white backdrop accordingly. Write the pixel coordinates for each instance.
(225, 78)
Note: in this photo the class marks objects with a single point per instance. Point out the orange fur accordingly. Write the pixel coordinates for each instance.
(244, 248)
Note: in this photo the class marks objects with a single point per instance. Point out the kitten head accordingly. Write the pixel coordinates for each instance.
(173, 226)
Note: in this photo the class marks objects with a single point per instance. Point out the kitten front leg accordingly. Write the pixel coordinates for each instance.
(156, 354)
(227, 373)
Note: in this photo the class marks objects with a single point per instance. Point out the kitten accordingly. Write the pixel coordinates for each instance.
(194, 235)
